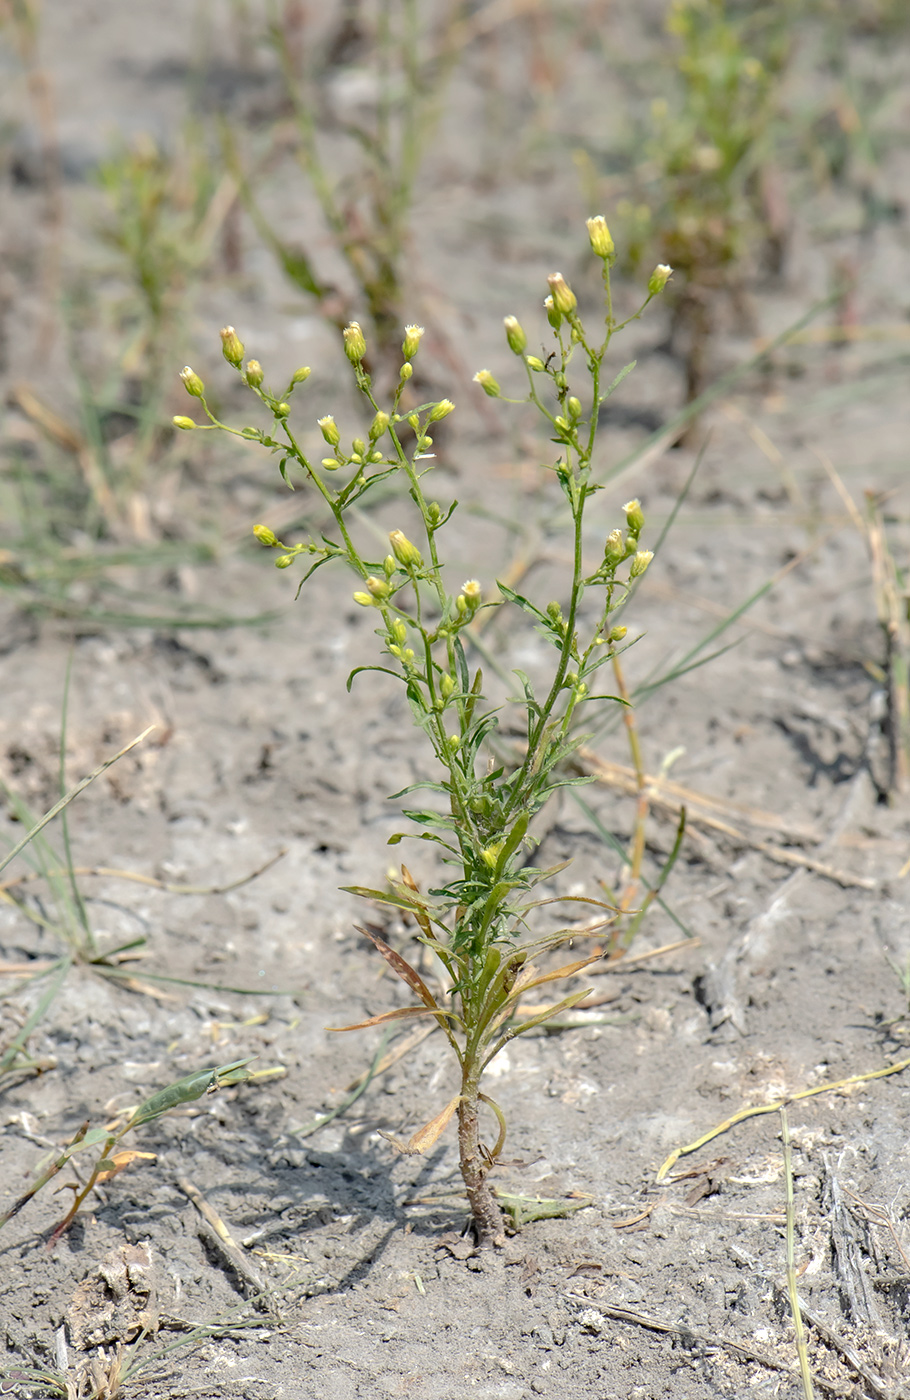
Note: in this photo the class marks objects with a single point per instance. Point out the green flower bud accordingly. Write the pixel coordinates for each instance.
(491, 855)
(564, 299)
(251, 434)
(254, 373)
(378, 588)
(412, 338)
(363, 599)
(574, 407)
(659, 278)
(399, 631)
(468, 599)
(405, 372)
(601, 242)
(441, 410)
(634, 517)
(553, 316)
(231, 347)
(615, 548)
(446, 686)
(266, 536)
(535, 364)
(180, 421)
(355, 346)
(434, 512)
(359, 447)
(617, 634)
(488, 384)
(281, 410)
(378, 426)
(284, 562)
(329, 430)
(389, 564)
(331, 464)
(640, 563)
(407, 554)
(300, 375)
(192, 383)
(454, 741)
(515, 335)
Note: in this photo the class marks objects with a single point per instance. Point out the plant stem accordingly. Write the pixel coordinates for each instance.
(488, 1221)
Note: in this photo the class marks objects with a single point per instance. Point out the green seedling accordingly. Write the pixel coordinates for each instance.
(111, 1159)
(474, 921)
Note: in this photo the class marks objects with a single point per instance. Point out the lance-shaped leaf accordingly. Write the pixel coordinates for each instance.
(113, 1166)
(193, 1086)
(565, 1005)
(428, 1134)
(567, 970)
(403, 969)
(403, 1013)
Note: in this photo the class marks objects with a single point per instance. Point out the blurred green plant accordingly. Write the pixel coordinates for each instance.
(111, 1159)
(163, 213)
(472, 922)
(364, 192)
(700, 198)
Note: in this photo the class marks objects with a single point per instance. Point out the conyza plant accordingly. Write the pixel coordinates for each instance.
(476, 920)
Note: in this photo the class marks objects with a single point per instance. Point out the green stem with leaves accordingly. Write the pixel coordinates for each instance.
(474, 921)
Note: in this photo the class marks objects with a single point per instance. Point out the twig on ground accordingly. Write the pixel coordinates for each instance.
(690, 1335)
(216, 1233)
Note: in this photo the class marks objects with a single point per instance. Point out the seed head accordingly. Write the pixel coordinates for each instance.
(614, 548)
(488, 384)
(634, 517)
(192, 383)
(231, 346)
(411, 343)
(330, 430)
(515, 335)
(601, 242)
(355, 346)
(659, 278)
(564, 299)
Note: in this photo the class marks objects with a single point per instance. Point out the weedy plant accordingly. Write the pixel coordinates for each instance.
(385, 131)
(703, 201)
(475, 920)
(111, 1159)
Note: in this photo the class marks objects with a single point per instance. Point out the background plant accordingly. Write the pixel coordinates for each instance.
(365, 189)
(111, 1159)
(474, 920)
(703, 199)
